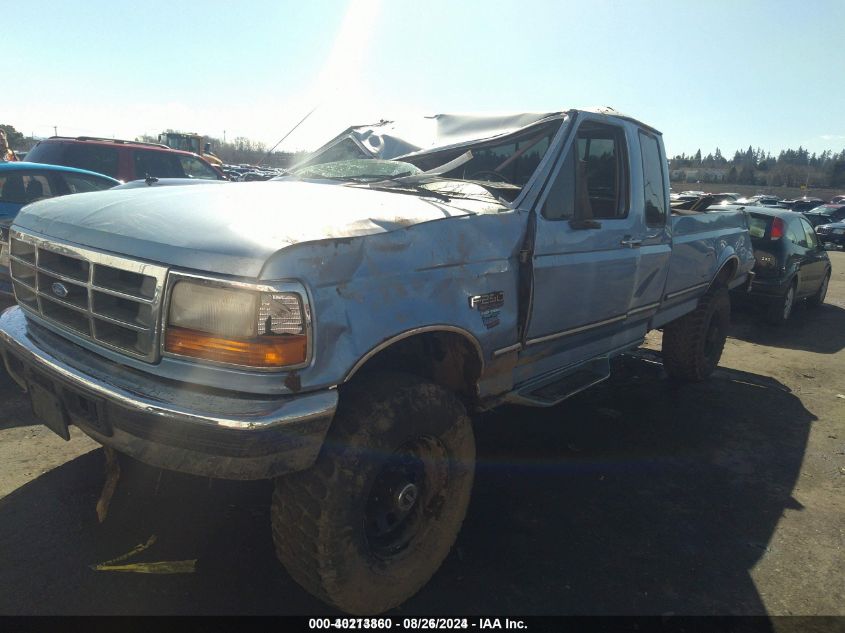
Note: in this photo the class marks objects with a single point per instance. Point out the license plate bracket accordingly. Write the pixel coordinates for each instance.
(49, 410)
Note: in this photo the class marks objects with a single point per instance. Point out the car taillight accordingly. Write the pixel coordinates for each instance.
(778, 229)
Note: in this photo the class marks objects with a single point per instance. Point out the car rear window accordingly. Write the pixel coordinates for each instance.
(758, 225)
(46, 152)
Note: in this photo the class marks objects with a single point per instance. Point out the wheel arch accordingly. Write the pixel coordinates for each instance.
(447, 355)
(726, 272)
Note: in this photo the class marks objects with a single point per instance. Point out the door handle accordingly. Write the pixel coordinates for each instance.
(631, 242)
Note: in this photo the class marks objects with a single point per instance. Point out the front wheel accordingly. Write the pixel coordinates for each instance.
(693, 344)
(368, 525)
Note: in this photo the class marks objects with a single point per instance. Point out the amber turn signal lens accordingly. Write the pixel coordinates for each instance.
(274, 350)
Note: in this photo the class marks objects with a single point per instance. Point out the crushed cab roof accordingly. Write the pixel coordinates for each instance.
(403, 137)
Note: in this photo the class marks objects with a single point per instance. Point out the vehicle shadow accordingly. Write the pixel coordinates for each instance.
(820, 330)
(635, 497)
(16, 410)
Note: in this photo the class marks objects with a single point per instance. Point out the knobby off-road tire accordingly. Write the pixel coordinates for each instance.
(368, 525)
(693, 344)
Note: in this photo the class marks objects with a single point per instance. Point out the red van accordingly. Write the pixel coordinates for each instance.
(124, 160)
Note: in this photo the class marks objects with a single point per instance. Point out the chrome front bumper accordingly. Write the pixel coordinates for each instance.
(166, 423)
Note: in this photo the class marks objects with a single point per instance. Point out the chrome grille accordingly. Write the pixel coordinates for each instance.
(110, 300)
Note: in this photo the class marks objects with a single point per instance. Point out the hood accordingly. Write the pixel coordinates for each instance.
(231, 229)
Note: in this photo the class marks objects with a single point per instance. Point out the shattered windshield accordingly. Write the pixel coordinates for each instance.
(511, 160)
(361, 169)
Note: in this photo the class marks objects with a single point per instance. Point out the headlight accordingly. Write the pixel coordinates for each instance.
(236, 326)
(839, 231)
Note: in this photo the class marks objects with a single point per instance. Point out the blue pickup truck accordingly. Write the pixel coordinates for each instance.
(332, 330)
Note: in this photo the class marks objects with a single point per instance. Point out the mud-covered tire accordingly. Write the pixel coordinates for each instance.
(693, 344)
(817, 299)
(331, 523)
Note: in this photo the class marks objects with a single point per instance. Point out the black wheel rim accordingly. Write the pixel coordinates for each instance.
(401, 494)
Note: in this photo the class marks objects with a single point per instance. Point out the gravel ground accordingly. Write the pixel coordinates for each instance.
(635, 497)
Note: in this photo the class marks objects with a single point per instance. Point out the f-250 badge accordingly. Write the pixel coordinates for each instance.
(488, 305)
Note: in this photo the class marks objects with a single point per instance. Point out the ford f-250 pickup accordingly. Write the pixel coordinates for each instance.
(332, 330)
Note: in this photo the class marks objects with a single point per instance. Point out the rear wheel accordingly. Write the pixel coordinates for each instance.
(781, 309)
(693, 344)
(818, 298)
(368, 525)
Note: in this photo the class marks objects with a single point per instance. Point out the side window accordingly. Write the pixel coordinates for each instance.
(37, 187)
(12, 189)
(157, 164)
(593, 179)
(601, 173)
(25, 188)
(96, 158)
(795, 233)
(653, 185)
(195, 168)
(82, 184)
(812, 240)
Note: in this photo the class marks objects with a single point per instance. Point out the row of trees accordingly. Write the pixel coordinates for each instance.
(17, 141)
(790, 168)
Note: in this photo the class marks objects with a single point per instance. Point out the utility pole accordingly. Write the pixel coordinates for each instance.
(224, 136)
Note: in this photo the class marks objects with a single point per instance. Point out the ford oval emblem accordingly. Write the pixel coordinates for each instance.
(59, 289)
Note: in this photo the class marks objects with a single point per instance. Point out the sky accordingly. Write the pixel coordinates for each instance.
(708, 74)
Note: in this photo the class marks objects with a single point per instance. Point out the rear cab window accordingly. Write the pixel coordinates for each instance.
(653, 182)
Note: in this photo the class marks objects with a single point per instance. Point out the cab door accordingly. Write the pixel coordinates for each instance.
(585, 258)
